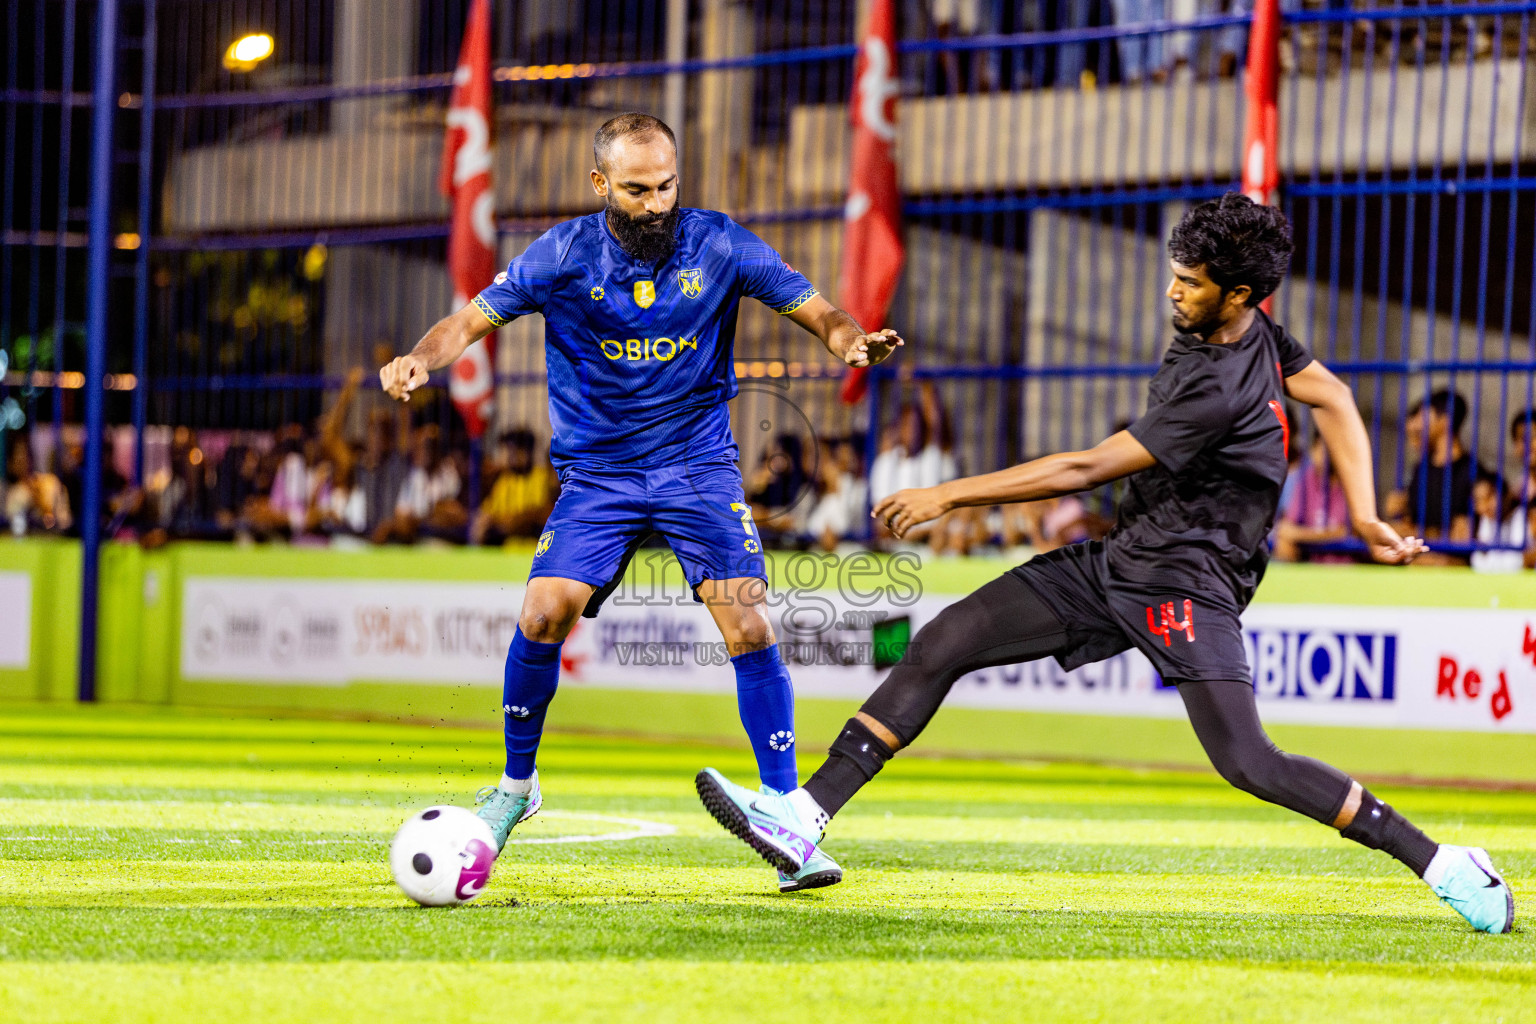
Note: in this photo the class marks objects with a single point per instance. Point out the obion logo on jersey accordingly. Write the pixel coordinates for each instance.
(1319, 665)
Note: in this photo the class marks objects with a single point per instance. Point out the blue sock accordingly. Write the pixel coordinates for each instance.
(766, 701)
(533, 672)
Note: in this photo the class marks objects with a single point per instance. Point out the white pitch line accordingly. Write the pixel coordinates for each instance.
(642, 830)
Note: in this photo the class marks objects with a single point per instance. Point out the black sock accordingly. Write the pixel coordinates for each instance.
(857, 756)
(1379, 827)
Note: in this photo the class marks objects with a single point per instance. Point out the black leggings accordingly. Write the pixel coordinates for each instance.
(1006, 622)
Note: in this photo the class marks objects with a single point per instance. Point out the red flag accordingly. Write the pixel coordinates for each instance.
(872, 249)
(1261, 123)
(466, 181)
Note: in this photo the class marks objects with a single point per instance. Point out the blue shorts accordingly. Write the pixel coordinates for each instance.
(604, 514)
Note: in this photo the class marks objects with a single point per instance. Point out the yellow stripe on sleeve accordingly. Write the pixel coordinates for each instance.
(799, 301)
(496, 319)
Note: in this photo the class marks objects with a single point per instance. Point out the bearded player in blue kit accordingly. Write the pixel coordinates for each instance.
(640, 304)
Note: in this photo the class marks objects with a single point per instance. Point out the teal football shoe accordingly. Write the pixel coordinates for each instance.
(819, 871)
(768, 824)
(1470, 886)
(502, 810)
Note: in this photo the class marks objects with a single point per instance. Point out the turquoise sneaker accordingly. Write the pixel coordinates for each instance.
(1471, 887)
(768, 824)
(502, 810)
(819, 871)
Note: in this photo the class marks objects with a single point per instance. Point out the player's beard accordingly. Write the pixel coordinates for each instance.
(648, 237)
(1203, 328)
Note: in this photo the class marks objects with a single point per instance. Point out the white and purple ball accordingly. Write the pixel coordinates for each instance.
(442, 856)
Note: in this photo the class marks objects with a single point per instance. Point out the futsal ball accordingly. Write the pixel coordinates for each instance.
(442, 856)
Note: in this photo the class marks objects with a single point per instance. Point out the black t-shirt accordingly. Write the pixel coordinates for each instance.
(1427, 496)
(1215, 422)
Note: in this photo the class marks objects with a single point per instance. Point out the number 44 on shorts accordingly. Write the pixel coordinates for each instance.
(1170, 625)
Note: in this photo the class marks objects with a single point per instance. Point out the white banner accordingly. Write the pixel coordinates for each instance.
(15, 619)
(1324, 664)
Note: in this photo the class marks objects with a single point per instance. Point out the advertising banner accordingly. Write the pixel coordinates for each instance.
(15, 619)
(1424, 668)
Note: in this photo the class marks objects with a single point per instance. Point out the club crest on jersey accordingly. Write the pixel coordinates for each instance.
(645, 293)
(597, 293)
(544, 542)
(692, 282)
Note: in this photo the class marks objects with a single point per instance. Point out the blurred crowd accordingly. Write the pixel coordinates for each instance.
(402, 484)
(1156, 56)
(301, 484)
(1473, 513)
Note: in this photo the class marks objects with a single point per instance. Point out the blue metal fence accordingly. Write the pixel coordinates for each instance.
(272, 228)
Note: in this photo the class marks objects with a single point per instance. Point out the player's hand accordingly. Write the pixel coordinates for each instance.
(401, 376)
(1386, 546)
(869, 349)
(905, 509)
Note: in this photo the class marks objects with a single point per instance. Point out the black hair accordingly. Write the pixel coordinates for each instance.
(519, 437)
(1238, 242)
(627, 126)
(1518, 423)
(1494, 480)
(792, 447)
(1447, 402)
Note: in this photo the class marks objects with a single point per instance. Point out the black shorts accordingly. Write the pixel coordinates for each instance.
(1188, 633)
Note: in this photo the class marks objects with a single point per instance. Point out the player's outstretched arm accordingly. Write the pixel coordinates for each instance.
(1337, 418)
(842, 334)
(1051, 477)
(445, 342)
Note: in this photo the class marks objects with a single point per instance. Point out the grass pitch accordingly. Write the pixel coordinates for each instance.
(165, 866)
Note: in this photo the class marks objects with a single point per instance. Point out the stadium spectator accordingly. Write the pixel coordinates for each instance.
(1072, 68)
(918, 451)
(288, 494)
(843, 499)
(179, 500)
(35, 499)
(237, 491)
(777, 489)
(384, 466)
(1522, 437)
(428, 503)
(1501, 524)
(1313, 509)
(1437, 503)
(1049, 524)
(1140, 56)
(342, 511)
(521, 496)
(953, 18)
(118, 497)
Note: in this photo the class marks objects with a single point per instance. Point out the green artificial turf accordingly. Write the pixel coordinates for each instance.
(163, 865)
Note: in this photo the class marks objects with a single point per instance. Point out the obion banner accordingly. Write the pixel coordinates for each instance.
(1428, 668)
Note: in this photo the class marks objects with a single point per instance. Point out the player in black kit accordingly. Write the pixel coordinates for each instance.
(1206, 464)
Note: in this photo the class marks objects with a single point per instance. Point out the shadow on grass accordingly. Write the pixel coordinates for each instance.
(777, 930)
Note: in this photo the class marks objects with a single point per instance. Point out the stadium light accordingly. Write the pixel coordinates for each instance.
(248, 51)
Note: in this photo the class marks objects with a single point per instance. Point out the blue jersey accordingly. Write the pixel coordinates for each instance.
(639, 355)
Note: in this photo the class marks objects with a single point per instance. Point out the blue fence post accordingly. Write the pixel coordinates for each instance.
(871, 445)
(103, 107)
(141, 267)
(476, 450)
